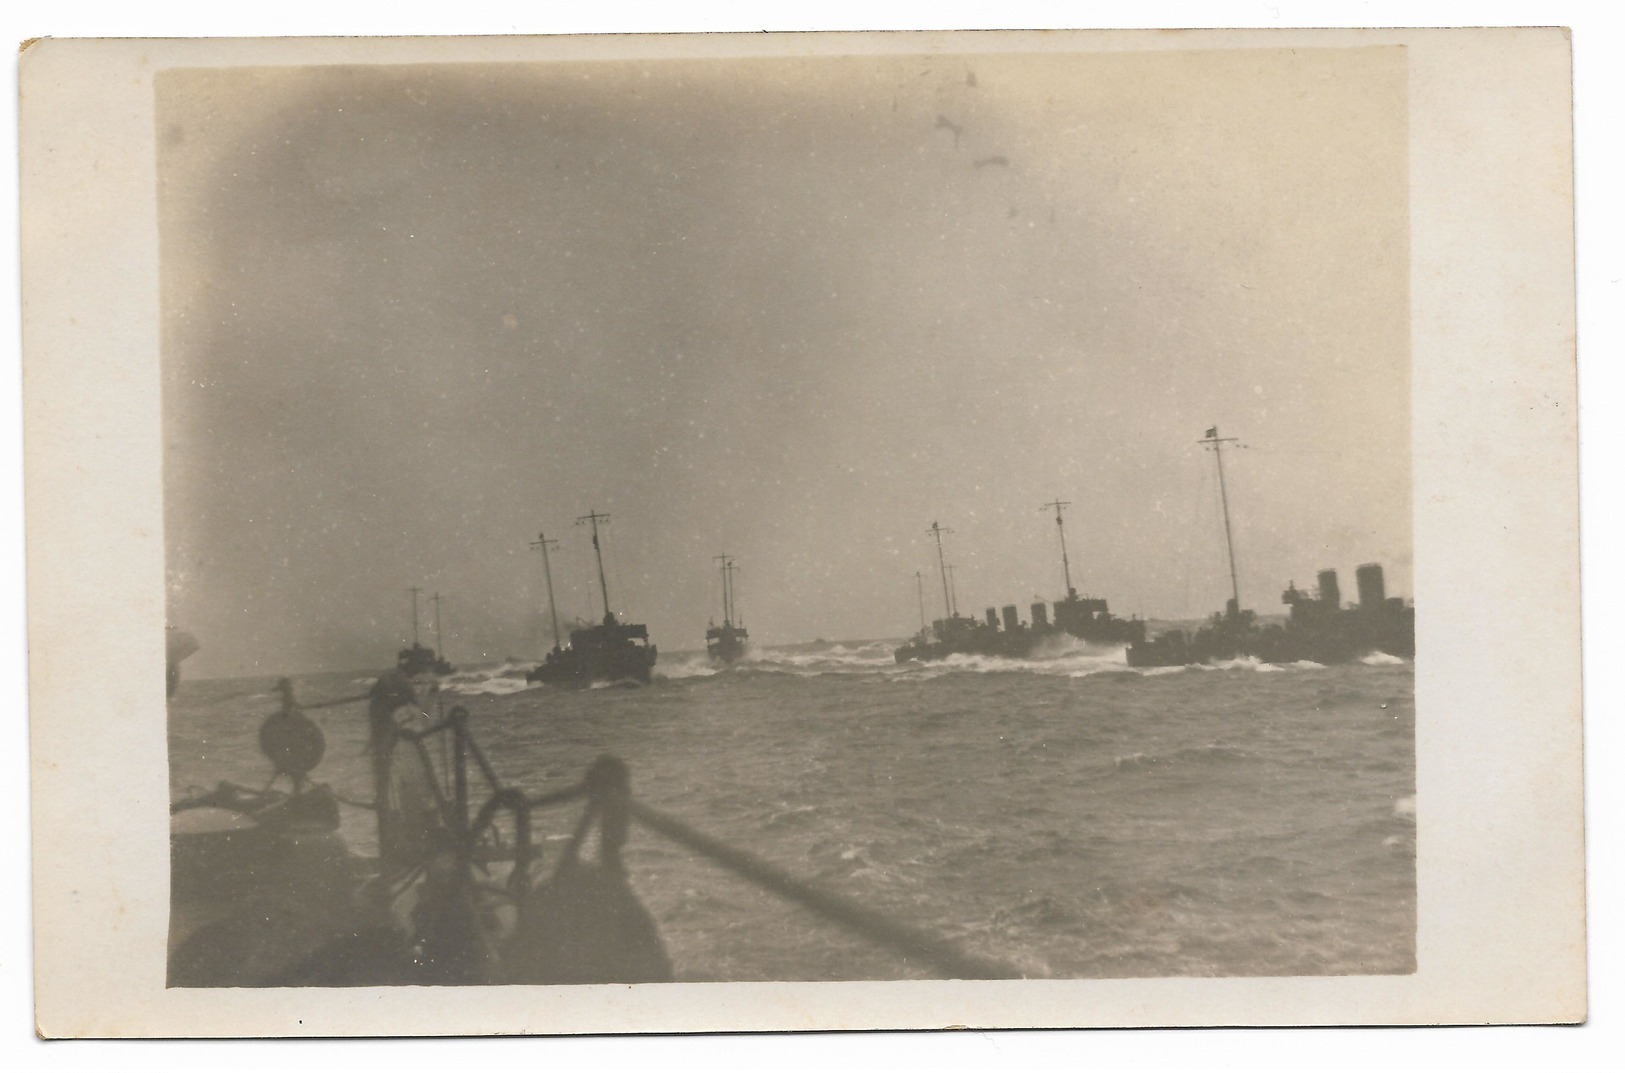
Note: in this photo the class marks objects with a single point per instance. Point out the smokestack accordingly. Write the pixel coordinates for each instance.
(992, 618)
(1011, 622)
(1330, 594)
(1372, 591)
(1040, 615)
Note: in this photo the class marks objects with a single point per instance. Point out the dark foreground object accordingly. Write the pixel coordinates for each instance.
(264, 892)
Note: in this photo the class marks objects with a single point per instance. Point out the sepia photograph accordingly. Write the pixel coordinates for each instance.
(679, 512)
(911, 492)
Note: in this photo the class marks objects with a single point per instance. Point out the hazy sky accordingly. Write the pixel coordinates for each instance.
(791, 310)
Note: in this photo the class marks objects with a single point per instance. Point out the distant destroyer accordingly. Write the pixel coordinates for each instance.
(1318, 628)
(420, 658)
(727, 642)
(1003, 633)
(612, 651)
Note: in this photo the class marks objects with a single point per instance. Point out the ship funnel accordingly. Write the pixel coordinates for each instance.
(1011, 621)
(1372, 591)
(992, 618)
(1040, 615)
(1330, 594)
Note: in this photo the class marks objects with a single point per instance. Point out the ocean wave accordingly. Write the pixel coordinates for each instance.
(1080, 662)
(873, 654)
(1060, 657)
(496, 686)
(790, 815)
(1383, 659)
(1042, 910)
(1216, 752)
(695, 666)
(1253, 663)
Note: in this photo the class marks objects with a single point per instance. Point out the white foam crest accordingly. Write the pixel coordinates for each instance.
(865, 657)
(1382, 659)
(495, 679)
(1077, 661)
(499, 686)
(695, 666)
(1245, 663)
(1406, 806)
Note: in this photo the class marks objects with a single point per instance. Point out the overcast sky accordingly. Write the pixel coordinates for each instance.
(795, 311)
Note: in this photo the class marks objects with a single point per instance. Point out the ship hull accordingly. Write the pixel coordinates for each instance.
(1342, 637)
(613, 652)
(726, 643)
(421, 659)
(967, 637)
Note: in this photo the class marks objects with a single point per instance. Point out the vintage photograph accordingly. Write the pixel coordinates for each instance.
(911, 515)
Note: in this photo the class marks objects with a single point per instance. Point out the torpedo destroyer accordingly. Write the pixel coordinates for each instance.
(1001, 632)
(610, 651)
(1318, 628)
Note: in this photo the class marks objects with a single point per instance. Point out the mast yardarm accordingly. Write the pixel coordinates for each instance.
(593, 518)
(1066, 567)
(542, 542)
(1216, 443)
(942, 566)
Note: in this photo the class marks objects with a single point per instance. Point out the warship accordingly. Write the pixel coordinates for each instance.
(1001, 632)
(420, 658)
(1318, 628)
(611, 651)
(726, 642)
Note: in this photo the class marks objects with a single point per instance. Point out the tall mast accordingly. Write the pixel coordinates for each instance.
(439, 645)
(727, 570)
(593, 517)
(730, 569)
(919, 590)
(937, 531)
(953, 591)
(414, 590)
(1217, 442)
(542, 542)
(1066, 567)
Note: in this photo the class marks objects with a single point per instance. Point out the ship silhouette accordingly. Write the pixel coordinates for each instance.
(1002, 633)
(1318, 628)
(727, 642)
(610, 651)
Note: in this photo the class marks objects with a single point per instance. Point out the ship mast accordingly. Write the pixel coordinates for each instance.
(593, 517)
(919, 590)
(953, 591)
(414, 590)
(542, 542)
(439, 645)
(1066, 567)
(937, 531)
(1217, 442)
(727, 587)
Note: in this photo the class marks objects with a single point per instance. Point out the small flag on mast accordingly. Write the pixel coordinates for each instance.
(1213, 433)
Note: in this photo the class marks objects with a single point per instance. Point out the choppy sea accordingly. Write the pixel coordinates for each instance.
(1071, 816)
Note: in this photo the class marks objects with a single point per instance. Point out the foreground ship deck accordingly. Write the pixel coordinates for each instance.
(265, 892)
